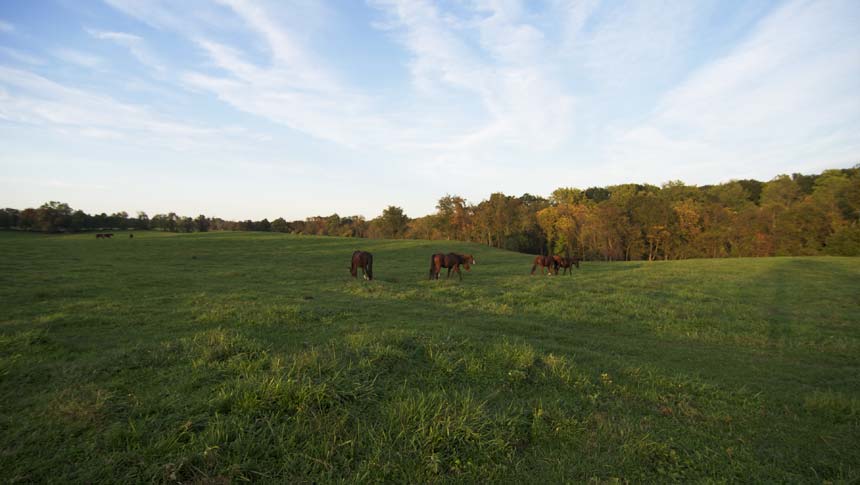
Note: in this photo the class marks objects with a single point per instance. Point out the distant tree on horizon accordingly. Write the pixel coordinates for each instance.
(787, 215)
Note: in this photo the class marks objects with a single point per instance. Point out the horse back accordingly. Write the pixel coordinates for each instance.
(361, 258)
(457, 258)
(437, 260)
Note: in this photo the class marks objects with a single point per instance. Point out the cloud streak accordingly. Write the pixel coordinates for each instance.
(31, 99)
(134, 44)
(781, 97)
(493, 53)
(21, 56)
(79, 58)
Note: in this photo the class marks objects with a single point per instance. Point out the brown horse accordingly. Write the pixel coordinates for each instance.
(452, 261)
(363, 260)
(565, 262)
(105, 236)
(546, 263)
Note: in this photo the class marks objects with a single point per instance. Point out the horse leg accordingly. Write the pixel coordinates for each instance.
(460, 273)
(533, 268)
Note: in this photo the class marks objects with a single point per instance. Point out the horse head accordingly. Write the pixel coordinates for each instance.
(469, 260)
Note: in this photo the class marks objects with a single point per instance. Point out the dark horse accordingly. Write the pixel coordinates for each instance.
(363, 260)
(546, 263)
(565, 262)
(104, 236)
(452, 261)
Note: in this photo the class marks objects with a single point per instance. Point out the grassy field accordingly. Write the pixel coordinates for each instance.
(241, 356)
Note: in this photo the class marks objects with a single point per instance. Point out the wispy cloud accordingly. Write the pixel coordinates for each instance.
(782, 97)
(82, 59)
(35, 100)
(21, 56)
(638, 40)
(522, 99)
(494, 53)
(295, 88)
(134, 44)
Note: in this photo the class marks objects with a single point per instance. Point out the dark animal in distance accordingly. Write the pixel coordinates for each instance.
(131, 236)
(565, 262)
(363, 260)
(452, 261)
(104, 236)
(546, 263)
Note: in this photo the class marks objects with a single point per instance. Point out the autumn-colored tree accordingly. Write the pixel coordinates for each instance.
(796, 215)
(547, 219)
(778, 196)
(27, 219)
(567, 195)
(688, 217)
(424, 228)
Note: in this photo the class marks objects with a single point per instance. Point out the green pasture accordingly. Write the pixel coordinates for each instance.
(231, 357)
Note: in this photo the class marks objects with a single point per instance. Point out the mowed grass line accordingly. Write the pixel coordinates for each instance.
(244, 356)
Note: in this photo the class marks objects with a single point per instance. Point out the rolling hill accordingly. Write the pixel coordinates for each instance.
(221, 357)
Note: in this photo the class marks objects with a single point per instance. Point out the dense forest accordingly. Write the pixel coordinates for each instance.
(788, 215)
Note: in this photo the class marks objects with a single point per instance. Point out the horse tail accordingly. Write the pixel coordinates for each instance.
(369, 266)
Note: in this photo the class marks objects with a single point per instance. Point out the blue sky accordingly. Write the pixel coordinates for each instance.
(265, 109)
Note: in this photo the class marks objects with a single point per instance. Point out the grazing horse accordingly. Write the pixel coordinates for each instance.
(546, 263)
(565, 262)
(363, 260)
(452, 261)
(104, 236)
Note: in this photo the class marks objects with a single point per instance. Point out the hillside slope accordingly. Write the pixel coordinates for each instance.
(239, 356)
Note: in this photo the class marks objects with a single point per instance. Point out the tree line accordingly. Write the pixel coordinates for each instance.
(788, 215)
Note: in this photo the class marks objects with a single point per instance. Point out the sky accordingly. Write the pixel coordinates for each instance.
(245, 109)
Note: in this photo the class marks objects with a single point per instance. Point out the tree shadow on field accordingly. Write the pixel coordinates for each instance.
(600, 343)
(782, 299)
(799, 298)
